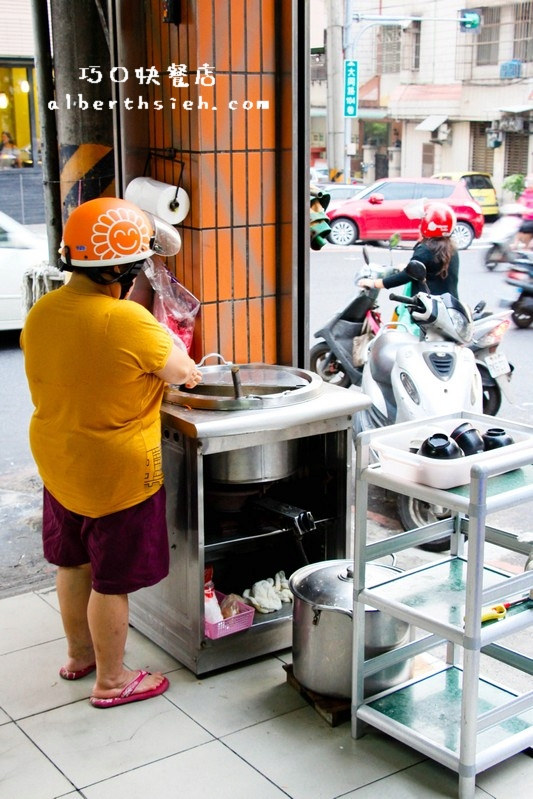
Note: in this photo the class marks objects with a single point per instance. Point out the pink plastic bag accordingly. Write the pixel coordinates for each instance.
(174, 306)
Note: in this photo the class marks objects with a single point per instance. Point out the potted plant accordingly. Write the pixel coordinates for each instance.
(515, 185)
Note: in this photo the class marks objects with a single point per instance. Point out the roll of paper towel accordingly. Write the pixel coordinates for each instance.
(159, 199)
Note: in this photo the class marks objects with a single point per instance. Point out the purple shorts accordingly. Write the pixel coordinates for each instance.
(127, 550)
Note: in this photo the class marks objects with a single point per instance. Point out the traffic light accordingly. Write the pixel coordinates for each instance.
(320, 227)
(469, 20)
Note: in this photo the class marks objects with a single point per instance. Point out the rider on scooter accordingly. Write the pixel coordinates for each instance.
(436, 250)
(524, 237)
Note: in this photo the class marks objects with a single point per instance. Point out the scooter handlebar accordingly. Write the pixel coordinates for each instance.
(403, 298)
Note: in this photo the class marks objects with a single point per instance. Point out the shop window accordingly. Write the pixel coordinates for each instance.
(18, 116)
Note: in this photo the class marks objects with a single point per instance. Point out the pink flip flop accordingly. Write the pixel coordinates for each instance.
(76, 675)
(127, 694)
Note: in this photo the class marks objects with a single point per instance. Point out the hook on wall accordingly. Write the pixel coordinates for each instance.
(167, 154)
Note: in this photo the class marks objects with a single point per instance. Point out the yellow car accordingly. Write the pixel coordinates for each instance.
(479, 184)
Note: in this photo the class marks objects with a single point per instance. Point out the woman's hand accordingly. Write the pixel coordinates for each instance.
(195, 378)
(366, 283)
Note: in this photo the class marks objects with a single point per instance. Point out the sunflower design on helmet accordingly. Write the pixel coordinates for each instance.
(107, 230)
(120, 232)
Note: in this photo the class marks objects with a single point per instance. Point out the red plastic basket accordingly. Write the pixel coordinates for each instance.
(241, 621)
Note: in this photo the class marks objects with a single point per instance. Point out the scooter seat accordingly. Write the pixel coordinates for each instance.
(382, 355)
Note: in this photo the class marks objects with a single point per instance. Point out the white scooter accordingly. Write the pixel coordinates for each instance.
(409, 378)
(502, 235)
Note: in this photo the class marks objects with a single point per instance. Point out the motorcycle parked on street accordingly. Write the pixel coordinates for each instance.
(410, 378)
(493, 366)
(520, 275)
(340, 356)
(351, 330)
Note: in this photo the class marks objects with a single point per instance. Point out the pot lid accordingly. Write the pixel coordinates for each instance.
(233, 387)
(330, 583)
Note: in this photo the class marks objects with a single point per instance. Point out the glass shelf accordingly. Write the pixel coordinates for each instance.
(431, 708)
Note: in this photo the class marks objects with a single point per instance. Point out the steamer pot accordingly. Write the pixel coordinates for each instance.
(323, 633)
(260, 464)
(245, 387)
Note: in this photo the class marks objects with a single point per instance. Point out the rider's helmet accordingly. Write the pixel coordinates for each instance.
(109, 231)
(438, 221)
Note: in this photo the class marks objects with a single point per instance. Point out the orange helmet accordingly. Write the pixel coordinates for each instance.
(439, 220)
(109, 231)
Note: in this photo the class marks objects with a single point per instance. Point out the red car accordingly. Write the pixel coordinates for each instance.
(382, 209)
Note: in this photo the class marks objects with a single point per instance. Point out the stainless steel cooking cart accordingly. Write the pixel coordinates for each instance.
(283, 509)
(453, 715)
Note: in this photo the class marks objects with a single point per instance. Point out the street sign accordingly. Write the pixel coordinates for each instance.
(469, 20)
(351, 88)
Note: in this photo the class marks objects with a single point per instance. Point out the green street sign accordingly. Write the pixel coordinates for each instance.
(469, 20)
(351, 88)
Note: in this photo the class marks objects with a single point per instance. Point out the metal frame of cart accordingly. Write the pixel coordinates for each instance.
(468, 723)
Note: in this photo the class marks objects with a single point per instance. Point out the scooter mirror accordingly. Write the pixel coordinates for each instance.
(366, 256)
(416, 270)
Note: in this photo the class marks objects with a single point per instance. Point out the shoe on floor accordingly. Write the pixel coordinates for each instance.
(127, 694)
(76, 675)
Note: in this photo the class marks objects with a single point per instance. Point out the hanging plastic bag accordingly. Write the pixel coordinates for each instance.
(174, 306)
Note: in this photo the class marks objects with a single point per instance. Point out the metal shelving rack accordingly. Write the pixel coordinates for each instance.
(452, 715)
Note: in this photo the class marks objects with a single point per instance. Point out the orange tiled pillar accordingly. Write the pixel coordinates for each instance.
(236, 255)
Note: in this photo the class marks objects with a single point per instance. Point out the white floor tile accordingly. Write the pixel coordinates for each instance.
(143, 654)
(88, 744)
(285, 656)
(25, 621)
(512, 779)
(25, 773)
(49, 595)
(305, 757)
(235, 699)
(30, 683)
(207, 771)
(4, 718)
(427, 780)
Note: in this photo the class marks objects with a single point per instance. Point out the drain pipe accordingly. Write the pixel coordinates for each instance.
(49, 151)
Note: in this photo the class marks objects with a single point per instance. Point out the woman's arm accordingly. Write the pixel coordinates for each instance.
(390, 282)
(180, 369)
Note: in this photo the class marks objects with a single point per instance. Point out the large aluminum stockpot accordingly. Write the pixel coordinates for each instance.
(323, 629)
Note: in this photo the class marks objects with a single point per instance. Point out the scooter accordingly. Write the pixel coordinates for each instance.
(410, 378)
(502, 234)
(340, 356)
(520, 275)
(493, 366)
(353, 328)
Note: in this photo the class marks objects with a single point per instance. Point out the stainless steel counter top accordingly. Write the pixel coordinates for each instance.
(326, 411)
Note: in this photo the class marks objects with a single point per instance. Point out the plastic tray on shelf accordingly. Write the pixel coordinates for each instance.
(395, 458)
(241, 621)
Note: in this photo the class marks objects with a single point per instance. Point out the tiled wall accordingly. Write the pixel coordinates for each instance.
(236, 254)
